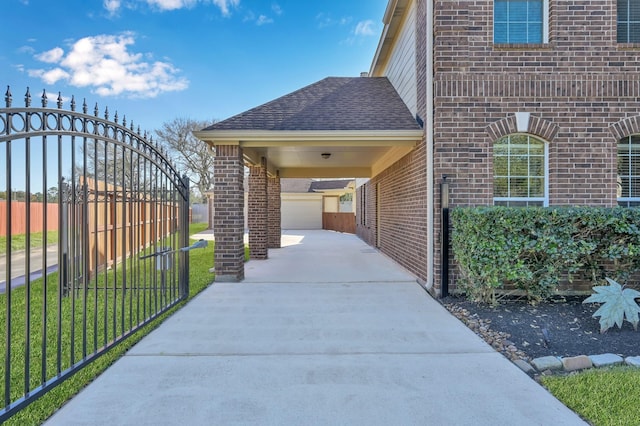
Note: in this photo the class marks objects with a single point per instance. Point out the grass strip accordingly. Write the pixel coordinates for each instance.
(36, 413)
(604, 396)
(19, 242)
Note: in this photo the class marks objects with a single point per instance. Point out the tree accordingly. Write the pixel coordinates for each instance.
(191, 154)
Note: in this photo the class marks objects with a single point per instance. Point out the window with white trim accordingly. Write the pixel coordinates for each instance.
(628, 28)
(629, 171)
(520, 171)
(520, 21)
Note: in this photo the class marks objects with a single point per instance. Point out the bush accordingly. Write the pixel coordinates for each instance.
(533, 249)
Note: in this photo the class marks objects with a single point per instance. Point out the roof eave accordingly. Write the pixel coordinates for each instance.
(250, 138)
(391, 21)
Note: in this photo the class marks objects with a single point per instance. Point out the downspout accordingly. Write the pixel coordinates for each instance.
(429, 142)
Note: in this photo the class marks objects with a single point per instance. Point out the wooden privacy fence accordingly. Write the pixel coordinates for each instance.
(124, 223)
(341, 222)
(19, 217)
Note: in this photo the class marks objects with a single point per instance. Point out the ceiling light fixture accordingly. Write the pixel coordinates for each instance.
(325, 155)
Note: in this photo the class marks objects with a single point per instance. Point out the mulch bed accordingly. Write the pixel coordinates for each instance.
(563, 327)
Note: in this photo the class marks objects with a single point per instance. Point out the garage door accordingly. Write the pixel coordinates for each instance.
(302, 213)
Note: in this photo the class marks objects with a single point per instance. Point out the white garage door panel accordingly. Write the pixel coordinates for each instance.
(302, 214)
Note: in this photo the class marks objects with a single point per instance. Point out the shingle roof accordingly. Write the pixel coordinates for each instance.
(296, 185)
(320, 185)
(334, 103)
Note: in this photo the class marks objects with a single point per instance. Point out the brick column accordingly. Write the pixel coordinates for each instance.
(228, 222)
(258, 211)
(274, 218)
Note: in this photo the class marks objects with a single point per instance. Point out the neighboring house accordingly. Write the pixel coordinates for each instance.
(305, 200)
(528, 102)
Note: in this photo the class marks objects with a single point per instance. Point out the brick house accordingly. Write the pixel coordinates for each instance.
(516, 102)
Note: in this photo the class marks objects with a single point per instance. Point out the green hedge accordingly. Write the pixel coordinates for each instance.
(534, 249)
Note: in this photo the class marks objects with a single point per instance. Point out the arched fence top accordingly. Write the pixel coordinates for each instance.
(108, 212)
(28, 121)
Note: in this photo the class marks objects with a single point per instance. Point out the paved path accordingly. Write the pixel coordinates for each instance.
(18, 265)
(325, 332)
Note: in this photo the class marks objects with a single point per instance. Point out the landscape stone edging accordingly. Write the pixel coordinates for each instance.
(550, 364)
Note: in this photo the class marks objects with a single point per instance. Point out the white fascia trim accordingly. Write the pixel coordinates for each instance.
(262, 137)
(545, 23)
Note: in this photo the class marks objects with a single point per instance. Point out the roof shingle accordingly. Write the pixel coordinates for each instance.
(334, 103)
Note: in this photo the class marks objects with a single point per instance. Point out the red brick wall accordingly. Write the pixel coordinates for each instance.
(576, 88)
(581, 90)
(399, 195)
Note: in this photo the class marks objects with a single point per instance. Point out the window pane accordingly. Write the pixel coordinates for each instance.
(623, 34)
(500, 34)
(519, 166)
(518, 33)
(634, 10)
(634, 165)
(519, 187)
(500, 10)
(500, 187)
(500, 149)
(536, 187)
(517, 11)
(536, 148)
(534, 34)
(635, 187)
(500, 166)
(536, 166)
(535, 11)
(634, 32)
(625, 187)
(623, 14)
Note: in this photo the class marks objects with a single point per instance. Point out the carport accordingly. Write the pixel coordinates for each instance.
(336, 128)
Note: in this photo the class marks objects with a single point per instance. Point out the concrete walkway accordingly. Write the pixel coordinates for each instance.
(326, 332)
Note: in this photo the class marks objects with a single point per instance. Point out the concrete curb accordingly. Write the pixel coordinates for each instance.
(551, 364)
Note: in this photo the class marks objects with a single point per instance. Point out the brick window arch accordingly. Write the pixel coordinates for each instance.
(520, 171)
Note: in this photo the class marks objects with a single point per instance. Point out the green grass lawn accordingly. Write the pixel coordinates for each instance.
(200, 261)
(19, 242)
(604, 397)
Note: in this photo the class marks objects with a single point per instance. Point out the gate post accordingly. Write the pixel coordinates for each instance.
(184, 225)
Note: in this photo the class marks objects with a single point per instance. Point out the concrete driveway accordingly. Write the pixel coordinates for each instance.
(326, 332)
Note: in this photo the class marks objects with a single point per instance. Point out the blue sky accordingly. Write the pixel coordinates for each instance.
(155, 60)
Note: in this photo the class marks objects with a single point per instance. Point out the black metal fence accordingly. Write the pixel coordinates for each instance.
(76, 283)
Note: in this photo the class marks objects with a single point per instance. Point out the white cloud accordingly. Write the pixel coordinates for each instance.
(50, 76)
(225, 4)
(27, 49)
(364, 28)
(262, 20)
(171, 4)
(105, 64)
(275, 7)
(112, 6)
(51, 56)
(325, 20)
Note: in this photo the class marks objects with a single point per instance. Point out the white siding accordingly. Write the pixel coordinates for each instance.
(401, 67)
